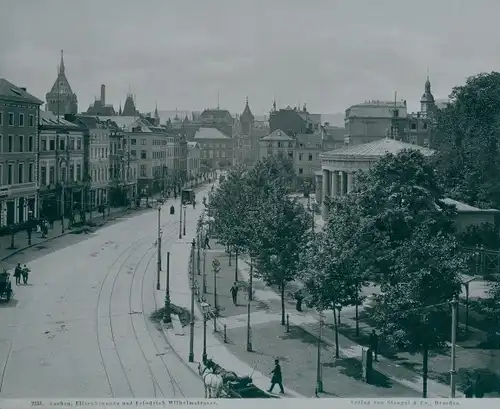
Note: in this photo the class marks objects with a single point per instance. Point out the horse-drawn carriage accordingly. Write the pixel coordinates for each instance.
(5, 286)
(220, 383)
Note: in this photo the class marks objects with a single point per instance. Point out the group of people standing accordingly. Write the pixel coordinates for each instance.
(21, 272)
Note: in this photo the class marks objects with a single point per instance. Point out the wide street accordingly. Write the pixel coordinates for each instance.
(82, 327)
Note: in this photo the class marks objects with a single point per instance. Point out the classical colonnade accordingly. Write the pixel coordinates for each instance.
(336, 183)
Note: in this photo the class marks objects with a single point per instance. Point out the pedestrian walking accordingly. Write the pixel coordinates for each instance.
(207, 242)
(25, 273)
(234, 293)
(374, 345)
(18, 273)
(277, 377)
(479, 387)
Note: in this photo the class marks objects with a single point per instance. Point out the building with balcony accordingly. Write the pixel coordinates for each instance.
(217, 147)
(19, 116)
(61, 166)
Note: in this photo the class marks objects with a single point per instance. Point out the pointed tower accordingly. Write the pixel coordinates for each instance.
(120, 110)
(157, 116)
(427, 101)
(246, 119)
(61, 99)
(129, 106)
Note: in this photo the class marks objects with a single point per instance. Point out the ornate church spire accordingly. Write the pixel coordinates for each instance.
(61, 64)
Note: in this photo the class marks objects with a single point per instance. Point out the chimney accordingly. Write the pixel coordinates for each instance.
(23, 88)
(103, 94)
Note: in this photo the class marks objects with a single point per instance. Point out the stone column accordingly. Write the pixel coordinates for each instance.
(319, 188)
(342, 183)
(335, 183)
(350, 181)
(327, 177)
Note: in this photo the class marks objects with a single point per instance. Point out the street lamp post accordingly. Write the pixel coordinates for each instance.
(191, 323)
(206, 314)
(184, 227)
(158, 264)
(204, 271)
(249, 305)
(216, 270)
(180, 220)
(319, 372)
(453, 372)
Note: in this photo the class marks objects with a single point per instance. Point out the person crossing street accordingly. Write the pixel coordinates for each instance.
(277, 377)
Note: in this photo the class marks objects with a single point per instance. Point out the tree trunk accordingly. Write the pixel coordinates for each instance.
(339, 315)
(229, 256)
(337, 349)
(425, 368)
(282, 302)
(357, 319)
(236, 266)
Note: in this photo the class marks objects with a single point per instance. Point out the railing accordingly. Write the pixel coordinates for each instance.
(483, 261)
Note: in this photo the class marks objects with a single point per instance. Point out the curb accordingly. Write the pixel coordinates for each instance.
(67, 231)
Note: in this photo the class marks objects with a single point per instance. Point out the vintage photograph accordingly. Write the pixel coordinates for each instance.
(249, 199)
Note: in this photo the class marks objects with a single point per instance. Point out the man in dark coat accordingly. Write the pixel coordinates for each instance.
(17, 273)
(478, 387)
(234, 293)
(374, 345)
(277, 378)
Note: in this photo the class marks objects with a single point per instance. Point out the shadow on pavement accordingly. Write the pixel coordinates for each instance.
(353, 368)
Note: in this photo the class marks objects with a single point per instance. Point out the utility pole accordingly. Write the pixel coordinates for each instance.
(453, 372)
(158, 264)
(167, 291)
(249, 327)
(180, 220)
(184, 228)
(191, 323)
(319, 374)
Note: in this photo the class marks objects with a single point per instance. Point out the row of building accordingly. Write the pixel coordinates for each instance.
(57, 161)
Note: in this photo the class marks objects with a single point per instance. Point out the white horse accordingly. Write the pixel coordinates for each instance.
(213, 382)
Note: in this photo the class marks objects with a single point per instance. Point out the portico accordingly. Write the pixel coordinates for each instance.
(339, 166)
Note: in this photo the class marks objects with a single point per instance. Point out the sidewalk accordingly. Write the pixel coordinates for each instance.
(296, 349)
(216, 349)
(21, 238)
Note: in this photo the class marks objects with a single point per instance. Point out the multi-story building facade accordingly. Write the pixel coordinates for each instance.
(373, 120)
(175, 172)
(61, 166)
(61, 99)
(19, 116)
(193, 160)
(217, 148)
(278, 143)
(294, 121)
(122, 187)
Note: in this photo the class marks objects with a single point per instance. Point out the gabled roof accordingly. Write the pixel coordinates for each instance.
(48, 119)
(12, 92)
(193, 145)
(210, 133)
(247, 115)
(129, 107)
(127, 122)
(277, 135)
(217, 114)
(375, 149)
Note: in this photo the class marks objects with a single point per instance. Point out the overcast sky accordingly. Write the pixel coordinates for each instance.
(328, 53)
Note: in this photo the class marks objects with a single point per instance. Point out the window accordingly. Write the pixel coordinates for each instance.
(21, 119)
(413, 125)
(52, 145)
(413, 139)
(10, 174)
(280, 144)
(20, 173)
(71, 173)
(21, 143)
(143, 171)
(301, 156)
(78, 172)
(133, 141)
(143, 155)
(43, 175)
(52, 175)
(30, 172)
(290, 144)
(79, 143)
(1, 143)
(1, 118)
(310, 157)
(143, 141)
(30, 143)
(425, 125)
(61, 144)
(11, 143)
(301, 171)
(290, 155)
(133, 153)
(11, 119)
(32, 121)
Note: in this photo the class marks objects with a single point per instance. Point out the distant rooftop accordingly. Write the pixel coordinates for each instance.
(210, 133)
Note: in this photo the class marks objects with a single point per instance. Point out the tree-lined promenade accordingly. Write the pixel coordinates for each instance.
(392, 229)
